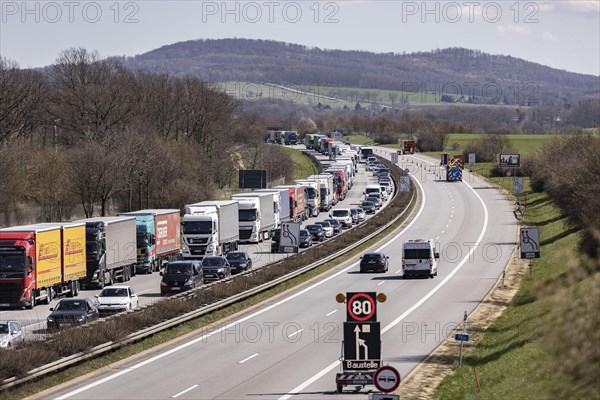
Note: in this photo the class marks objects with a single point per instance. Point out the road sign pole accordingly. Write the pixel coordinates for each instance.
(462, 341)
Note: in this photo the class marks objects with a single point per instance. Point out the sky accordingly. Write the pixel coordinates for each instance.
(561, 34)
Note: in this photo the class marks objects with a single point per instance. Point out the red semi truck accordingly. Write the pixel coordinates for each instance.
(298, 207)
(339, 184)
(40, 261)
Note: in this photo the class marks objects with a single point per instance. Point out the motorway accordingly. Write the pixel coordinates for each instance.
(290, 347)
(147, 286)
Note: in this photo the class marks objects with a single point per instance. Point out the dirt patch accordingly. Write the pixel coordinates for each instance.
(424, 379)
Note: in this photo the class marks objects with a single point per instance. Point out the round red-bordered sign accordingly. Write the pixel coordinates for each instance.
(366, 314)
(386, 379)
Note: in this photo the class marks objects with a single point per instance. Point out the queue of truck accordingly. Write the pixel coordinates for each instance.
(41, 261)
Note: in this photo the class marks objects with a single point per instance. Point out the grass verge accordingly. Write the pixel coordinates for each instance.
(514, 358)
(303, 165)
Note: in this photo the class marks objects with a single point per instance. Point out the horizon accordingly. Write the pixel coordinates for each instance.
(562, 35)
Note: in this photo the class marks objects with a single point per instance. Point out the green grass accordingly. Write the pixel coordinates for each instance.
(338, 96)
(511, 359)
(303, 165)
(524, 144)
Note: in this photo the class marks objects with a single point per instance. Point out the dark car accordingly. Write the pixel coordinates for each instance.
(215, 268)
(368, 206)
(305, 238)
(354, 215)
(69, 312)
(179, 276)
(316, 231)
(337, 225)
(240, 261)
(376, 262)
(376, 200)
(275, 240)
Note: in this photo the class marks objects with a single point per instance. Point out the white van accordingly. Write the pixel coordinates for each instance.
(419, 257)
(375, 189)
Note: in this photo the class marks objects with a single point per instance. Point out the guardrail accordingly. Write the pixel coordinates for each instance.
(139, 335)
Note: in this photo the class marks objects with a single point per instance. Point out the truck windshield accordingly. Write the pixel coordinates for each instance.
(91, 247)
(197, 227)
(142, 240)
(312, 193)
(413, 254)
(12, 262)
(247, 215)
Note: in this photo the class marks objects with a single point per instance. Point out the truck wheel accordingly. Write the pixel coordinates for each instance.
(71, 289)
(111, 278)
(76, 289)
(32, 302)
(339, 388)
(102, 281)
(48, 296)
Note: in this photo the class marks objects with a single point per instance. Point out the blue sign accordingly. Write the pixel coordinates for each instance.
(461, 337)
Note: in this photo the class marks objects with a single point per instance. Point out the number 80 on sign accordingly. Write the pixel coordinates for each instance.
(361, 307)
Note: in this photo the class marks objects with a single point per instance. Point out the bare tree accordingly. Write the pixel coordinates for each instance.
(21, 95)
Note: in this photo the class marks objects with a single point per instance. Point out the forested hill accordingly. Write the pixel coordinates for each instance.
(480, 74)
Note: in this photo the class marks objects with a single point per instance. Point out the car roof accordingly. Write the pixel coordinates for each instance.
(374, 253)
(209, 257)
(6, 321)
(237, 252)
(117, 287)
(368, 202)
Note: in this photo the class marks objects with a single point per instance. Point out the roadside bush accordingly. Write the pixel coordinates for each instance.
(487, 147)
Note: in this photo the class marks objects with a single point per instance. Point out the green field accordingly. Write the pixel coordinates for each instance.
(338, 96)
(523, 144)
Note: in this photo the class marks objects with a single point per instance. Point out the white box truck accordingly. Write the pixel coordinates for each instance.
(281, 204)
(210, 228)
(419, 258)
(256, 216)
(313, 197)
(327, 192)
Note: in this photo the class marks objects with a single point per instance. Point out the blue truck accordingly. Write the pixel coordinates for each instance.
(158, 238)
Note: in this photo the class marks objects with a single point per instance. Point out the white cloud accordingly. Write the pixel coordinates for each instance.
(513, 29)
(585, 6)
(546, 6)
(549, 37)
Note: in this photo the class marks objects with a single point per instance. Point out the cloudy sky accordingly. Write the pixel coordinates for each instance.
(562, 34)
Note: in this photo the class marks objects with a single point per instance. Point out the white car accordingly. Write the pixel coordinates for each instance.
(326, 227)
(343, 215)
(10, 334)
(115, 299)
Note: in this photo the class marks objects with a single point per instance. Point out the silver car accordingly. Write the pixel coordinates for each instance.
(10, 334)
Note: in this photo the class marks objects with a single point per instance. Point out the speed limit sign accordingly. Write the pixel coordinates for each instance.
(361, 307)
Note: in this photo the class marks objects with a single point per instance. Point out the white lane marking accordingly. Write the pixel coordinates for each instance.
(295, 333)
(400, 270)
(248, 358)
(144, 291)
(331, 313)
(380, 283)
(443, 231)
(447, 224)
(437, 238)
(184, 392)
(411, 309)
(236, 323)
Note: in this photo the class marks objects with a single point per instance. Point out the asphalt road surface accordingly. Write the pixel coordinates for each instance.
(290, 348)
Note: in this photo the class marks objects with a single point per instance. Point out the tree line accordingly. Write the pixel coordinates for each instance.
(87, 133)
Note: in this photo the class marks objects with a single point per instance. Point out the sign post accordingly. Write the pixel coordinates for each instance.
(462, 337)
